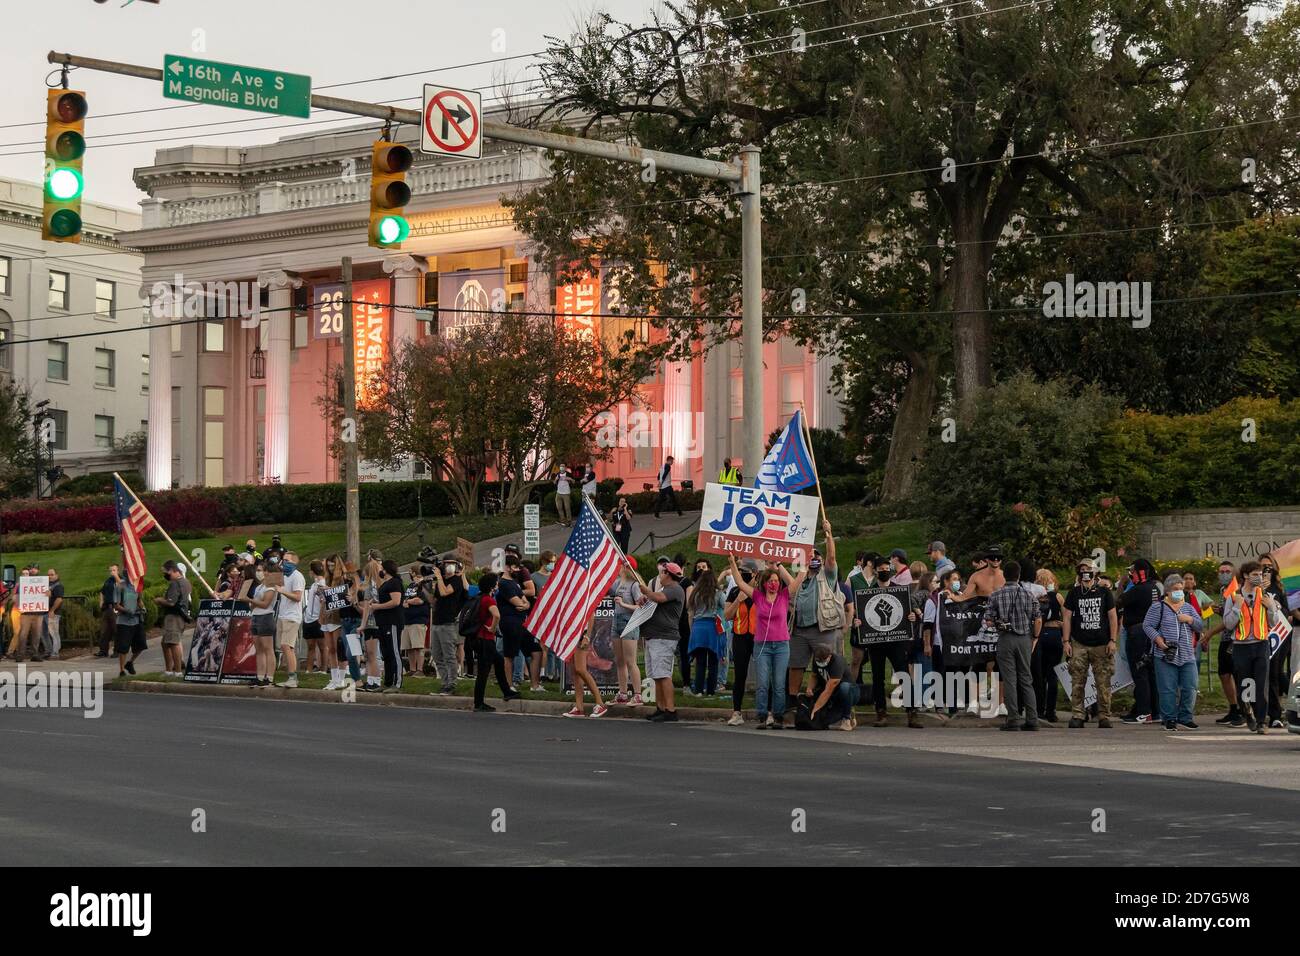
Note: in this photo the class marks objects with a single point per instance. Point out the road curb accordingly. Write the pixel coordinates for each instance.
(548, 708)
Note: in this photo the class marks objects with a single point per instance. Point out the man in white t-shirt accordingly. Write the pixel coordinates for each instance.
(288, 616)
(562, 492)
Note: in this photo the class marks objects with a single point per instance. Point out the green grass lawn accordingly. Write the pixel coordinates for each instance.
(83, 569)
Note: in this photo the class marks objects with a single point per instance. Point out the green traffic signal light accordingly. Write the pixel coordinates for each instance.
(64, 223)
(64, 184)
(392, 229)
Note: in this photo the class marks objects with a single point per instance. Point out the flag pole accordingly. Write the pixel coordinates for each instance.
(812, 457)
(163, 532)
(626, 562)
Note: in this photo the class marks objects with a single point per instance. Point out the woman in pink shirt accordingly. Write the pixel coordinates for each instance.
(770, 590)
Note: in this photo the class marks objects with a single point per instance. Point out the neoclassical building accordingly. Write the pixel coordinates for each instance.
(235, 400)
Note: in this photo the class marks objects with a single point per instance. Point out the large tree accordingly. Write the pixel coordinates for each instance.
(17, 448)
(513, 396)
(910, 154)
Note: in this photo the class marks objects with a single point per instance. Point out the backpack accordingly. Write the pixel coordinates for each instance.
(467, 621)
(830, 605)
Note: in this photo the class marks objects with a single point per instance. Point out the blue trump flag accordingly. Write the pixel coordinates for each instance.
(788, 466)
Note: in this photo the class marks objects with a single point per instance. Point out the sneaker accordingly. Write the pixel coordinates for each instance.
(1227, 718)
(1001, 711)
(1144, 719)
(1238, 721)
(575, 712)
(447, 691)
(736, 720)
(665, 717)
(484, 709)
(1275, 724)
(513, 695)
(689, 693)
(881, 721)
(1250, 723)
(370, 688)
(130, 665)
(1103, 724)
(1030, 725)
(1050, 717)
(1076, 723)
(290, 681)
(777, 724)
(600, 710)
(537, 689)
(843, 725)
(1010, 725)
(764, 722)
(333, 685)
(1170, 725)
(655, 715)
(621, 698)
(637, 701)
(914, 722)
(394, 689)
(1261, 729)
(1189, 724)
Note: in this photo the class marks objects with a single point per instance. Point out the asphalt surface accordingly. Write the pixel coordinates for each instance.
(322, 784)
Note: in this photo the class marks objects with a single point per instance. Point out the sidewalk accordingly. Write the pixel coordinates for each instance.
(554, 536)
(151, 660)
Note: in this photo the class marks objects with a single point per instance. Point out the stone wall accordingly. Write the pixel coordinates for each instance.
(1232, 535)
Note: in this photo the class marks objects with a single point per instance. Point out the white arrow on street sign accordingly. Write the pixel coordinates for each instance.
(452, 124)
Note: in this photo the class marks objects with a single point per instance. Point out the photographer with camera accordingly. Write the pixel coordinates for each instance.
(1171, 625)
(446, 643)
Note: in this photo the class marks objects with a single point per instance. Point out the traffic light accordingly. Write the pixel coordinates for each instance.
(65, 144)
(388, 193)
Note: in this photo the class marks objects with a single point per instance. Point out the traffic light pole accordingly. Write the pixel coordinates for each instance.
(742, 175)
(351, 480)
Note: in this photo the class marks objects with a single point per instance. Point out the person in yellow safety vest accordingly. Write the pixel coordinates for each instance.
(1248, 615)
(729, 475)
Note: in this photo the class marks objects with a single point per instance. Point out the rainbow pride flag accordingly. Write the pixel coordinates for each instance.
(1288, 565)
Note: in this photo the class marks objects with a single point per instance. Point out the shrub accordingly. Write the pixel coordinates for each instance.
(99, 483)
(1027, 441)
(841, 489)
(1060, 540)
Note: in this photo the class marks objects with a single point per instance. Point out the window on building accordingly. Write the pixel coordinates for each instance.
(58, 290)
(519, 271)
(60, 419)
(792, 353)
(144, 372)
(176, 338)
(5, 265)
(56, 361)
(176, 431)
(791, 393)
(301, 331)
(6, 333)
(105, 368)
(259, 428)
(214, 336)
(214, 437)
(105, 299)
(429, 319)
(103, 431)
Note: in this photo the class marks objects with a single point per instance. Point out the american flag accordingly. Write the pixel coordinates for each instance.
(133, 523)
(581, 578)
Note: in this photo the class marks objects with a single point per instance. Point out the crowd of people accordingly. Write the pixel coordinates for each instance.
(795, 628)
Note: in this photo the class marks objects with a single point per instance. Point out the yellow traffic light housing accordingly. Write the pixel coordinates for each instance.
(65, 144)
(388, 194)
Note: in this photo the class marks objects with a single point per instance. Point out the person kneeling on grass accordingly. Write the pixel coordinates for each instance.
(583, 676)
(831, 691)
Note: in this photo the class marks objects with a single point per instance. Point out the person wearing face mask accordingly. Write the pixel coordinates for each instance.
(289, 616)
(1049, 648)
(1279, 674)
(174, 617)
(627, 597)
(1227, 587)
(1248, 615)
(739, 611)
(1172, 626)
(450, 589)
(861, 578)
(818, 613)
(1139, 592)
(950, 589)
(1089, 632)
(770, 590)
(264, 599)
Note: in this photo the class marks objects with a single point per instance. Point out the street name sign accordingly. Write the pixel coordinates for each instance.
(242, 87)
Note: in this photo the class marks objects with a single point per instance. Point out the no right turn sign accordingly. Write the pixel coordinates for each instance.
(452, 122)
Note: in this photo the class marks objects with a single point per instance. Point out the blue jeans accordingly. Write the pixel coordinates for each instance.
(1171, 679)
(355, 664)
(771, 661)
(517, 674)
(844, 699)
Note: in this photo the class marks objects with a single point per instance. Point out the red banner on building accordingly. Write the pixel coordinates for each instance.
(577, 304)
(371, 326)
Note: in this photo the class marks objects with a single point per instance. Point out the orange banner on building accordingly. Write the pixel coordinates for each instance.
(577, 305)
(370, 335)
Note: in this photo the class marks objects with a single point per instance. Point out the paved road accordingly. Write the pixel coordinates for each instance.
(287, 782)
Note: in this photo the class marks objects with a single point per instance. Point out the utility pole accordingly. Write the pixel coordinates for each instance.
(742, 175)
(351, 485)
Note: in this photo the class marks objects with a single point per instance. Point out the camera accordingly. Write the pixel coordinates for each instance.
(428, 555)
(426, 570)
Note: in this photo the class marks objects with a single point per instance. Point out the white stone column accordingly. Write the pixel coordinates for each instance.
(408, 274)
(159, 314)
(279, 326)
